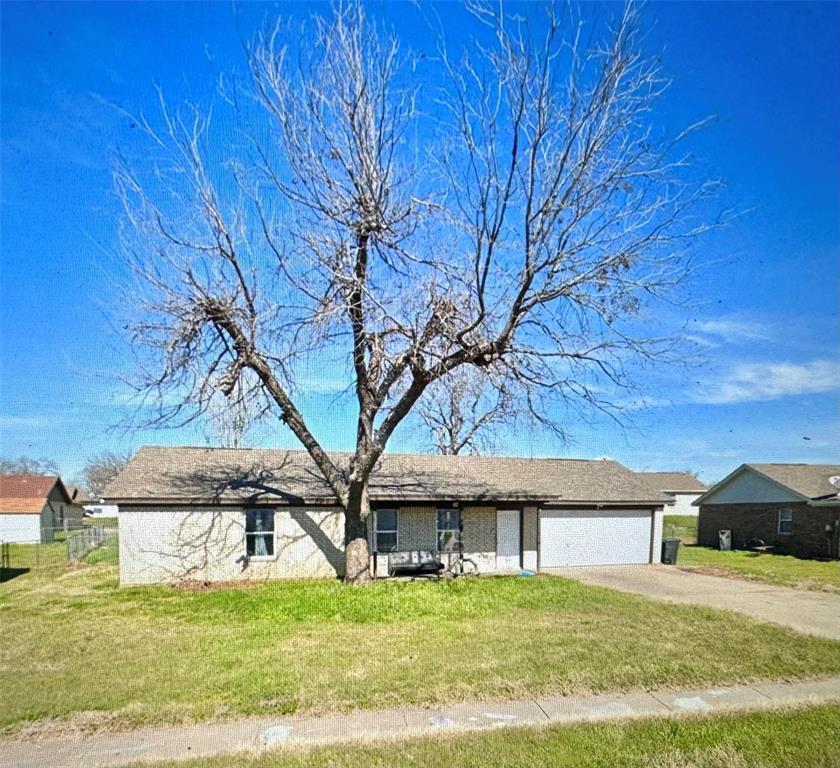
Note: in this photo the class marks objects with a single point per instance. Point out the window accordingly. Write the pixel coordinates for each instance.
(449, 530)
(259, 532)
(785, 521)
(386, 530)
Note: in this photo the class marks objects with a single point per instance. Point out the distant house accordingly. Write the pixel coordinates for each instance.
(793, 507)
(34, 507)
(213, 514)
(98, 510)
(682, 487)
(90, 506)
(79, 498)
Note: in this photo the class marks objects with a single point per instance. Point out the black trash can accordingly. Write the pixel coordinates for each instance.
(670, 547)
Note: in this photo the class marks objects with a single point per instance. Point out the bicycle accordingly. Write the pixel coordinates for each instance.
(461, 566)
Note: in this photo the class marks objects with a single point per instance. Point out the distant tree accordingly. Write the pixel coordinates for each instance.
(101, 469)
(24, 465)
(513, 209)
(463, 412)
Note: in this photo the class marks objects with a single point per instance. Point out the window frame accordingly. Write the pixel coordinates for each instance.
(458, 531)
(395, 530)
(253, 534)
(789, 521)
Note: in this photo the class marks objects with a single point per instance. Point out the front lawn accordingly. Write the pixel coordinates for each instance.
(802, 738)
(74, 646)
(773, 569)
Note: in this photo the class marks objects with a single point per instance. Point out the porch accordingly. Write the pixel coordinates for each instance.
(499, 539)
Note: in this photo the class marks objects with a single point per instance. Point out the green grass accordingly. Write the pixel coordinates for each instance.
(74, 646)
(773, 569)
(107, 554)
(802, 738)
(54, 554)
(102, 522)
(682, 527)
(49, 555)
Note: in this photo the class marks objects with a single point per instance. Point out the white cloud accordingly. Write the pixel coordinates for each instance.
(747, 382)
(643, 403)
(723, 330)
(35, 421)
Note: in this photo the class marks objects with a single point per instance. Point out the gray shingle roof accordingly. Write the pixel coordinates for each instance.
(230, 475)
(673, 481)
(810, 480)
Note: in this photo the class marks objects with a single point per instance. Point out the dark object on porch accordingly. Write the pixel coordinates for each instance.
(670, 547)
(414, 562)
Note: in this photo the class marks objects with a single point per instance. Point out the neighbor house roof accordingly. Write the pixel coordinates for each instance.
(673, 481)
(78, 495)
(809, 480)
(27, 494)
(236, 475)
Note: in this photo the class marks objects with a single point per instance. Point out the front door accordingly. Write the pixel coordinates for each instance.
(507, 540)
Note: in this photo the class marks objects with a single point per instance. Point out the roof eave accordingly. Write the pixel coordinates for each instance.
(732, 475)
(149, 501)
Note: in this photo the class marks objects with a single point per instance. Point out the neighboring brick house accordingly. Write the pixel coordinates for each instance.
(80, 499)
(211, 514)
(793, 507)
(34, 507)
(683, 487)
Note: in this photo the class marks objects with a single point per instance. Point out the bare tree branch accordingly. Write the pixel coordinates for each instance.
(463, 411)
(512, 211)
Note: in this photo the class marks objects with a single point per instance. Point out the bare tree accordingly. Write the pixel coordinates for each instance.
(24, 465)
(101, 469)
(515, 214)
(463, 410)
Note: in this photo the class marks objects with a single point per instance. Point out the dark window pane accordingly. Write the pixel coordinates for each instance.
(386, 520)
(268, 544)
(259, 520)
(259, 532)
(785, 521)
(259, 545)
(449, 519)
(386, 542)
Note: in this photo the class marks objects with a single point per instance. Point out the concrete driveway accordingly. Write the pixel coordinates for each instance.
(814, 613)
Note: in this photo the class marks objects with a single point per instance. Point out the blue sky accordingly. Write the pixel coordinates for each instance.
(766, 295)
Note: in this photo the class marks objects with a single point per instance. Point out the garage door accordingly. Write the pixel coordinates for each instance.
(589, 537)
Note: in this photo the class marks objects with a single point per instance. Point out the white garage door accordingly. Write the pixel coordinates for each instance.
(590, 537)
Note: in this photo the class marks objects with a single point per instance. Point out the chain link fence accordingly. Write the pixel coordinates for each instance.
(59, 548)
(682, 527)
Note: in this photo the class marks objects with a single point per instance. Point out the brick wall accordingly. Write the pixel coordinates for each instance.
(166, 544)
(479, 525)
(530, 526)
(417, 528)
(760, 521)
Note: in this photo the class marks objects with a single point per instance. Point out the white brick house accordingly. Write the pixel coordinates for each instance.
(226, 514)
(33, 507)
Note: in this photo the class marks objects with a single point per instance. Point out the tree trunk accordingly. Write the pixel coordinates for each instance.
(357, 554)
